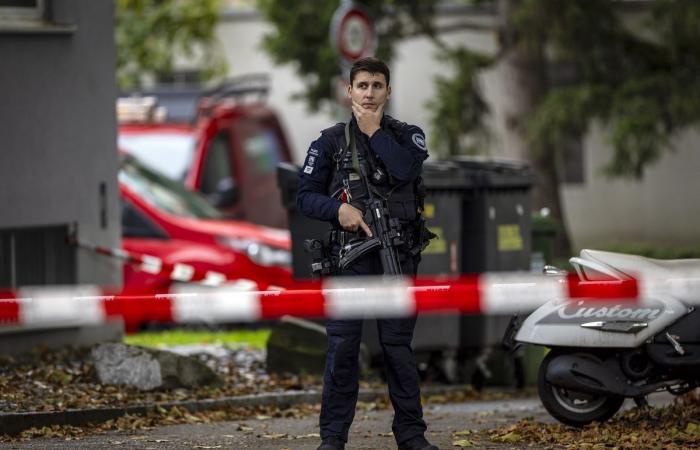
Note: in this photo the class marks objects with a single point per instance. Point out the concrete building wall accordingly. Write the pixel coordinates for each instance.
(661, 209)
(58, 132)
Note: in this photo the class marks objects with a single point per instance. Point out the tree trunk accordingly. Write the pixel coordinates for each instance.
(524, 80)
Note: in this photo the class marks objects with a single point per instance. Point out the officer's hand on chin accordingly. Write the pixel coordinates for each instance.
(369, 117)
(350, 219)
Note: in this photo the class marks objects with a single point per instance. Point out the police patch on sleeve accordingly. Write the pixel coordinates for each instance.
(419, 140)
(308, 169)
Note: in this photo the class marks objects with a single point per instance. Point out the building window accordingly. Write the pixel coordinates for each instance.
(21, 13)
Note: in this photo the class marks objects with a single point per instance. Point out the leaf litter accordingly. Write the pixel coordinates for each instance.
(59, 380)
(676, 426)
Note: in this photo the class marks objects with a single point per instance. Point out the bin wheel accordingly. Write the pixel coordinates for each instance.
(519, 372)
(478, 380)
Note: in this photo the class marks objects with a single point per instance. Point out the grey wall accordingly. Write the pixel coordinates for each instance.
(58, 129)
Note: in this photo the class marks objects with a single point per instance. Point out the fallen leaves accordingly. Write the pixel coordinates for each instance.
(510, 438)
(274, 436)
(463, 443)
(471, 394)
(308, 435)
(159, 416)
(674, 426)
(65, 379)
(462, 433)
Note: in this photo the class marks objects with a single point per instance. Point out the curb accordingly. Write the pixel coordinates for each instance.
(14, 423)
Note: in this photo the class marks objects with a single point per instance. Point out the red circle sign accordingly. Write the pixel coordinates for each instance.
(353, 33)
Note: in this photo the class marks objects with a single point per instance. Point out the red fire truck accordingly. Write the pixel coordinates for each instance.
(224, 142)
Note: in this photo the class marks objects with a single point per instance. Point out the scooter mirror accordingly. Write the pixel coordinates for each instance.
(552, 270)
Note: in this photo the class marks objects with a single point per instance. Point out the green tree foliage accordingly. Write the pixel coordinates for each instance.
(301, 36)
(150, 33)
(458, 108)
(640, 81)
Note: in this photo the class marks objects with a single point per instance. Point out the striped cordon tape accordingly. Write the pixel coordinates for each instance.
(339, 298)
(185, 273)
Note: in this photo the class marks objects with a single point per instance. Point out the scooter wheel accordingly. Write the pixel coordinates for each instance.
(570, 407)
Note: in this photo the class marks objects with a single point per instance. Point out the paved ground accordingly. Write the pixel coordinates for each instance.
(371, 430)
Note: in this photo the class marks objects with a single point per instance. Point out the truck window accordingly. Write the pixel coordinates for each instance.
(217, 165)
(263, 151)
(170, 153)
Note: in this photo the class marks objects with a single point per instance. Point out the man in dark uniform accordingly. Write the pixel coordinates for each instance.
(331, 189)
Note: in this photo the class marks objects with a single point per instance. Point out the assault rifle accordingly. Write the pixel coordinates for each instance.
(386, 235)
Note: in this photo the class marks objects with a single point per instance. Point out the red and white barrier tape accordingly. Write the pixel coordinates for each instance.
(156, 266)
(339, 298)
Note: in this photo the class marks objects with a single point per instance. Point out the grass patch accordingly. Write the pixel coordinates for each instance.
(251, 338)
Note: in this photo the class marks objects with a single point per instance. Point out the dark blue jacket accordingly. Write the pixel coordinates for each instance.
(399, 146)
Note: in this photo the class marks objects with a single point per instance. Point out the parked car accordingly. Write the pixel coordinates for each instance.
(163, 219)
(223, 142)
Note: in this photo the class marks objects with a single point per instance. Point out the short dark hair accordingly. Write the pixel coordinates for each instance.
(371, 65)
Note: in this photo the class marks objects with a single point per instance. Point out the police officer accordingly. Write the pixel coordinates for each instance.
(331, 189)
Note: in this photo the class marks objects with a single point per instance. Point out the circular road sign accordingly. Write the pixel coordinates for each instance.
(352, 32)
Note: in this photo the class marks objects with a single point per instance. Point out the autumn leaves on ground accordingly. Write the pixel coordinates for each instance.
(675, 426)
(54, 381)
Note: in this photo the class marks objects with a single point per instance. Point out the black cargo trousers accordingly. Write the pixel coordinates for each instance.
(341, 377)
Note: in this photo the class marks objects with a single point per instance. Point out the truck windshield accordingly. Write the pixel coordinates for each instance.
(169, 153)
(164, 193)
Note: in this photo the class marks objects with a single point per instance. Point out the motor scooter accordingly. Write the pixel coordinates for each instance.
(603, 352)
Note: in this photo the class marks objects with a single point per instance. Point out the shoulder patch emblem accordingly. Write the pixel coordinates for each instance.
(419, 140)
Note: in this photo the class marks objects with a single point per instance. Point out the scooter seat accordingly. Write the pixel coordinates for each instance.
(634, 265)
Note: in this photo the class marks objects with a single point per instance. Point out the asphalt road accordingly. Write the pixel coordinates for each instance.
(371, 430)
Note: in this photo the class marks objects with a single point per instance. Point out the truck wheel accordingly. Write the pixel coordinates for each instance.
(571, 407)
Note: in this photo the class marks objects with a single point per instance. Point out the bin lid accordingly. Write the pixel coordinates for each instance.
(469, 172)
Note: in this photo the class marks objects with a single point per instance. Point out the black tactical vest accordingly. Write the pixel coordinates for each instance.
(403, 199)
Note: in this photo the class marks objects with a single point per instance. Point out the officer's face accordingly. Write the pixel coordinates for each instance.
(369, 90)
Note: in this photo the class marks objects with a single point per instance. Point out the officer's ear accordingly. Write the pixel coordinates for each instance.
(388, 92)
